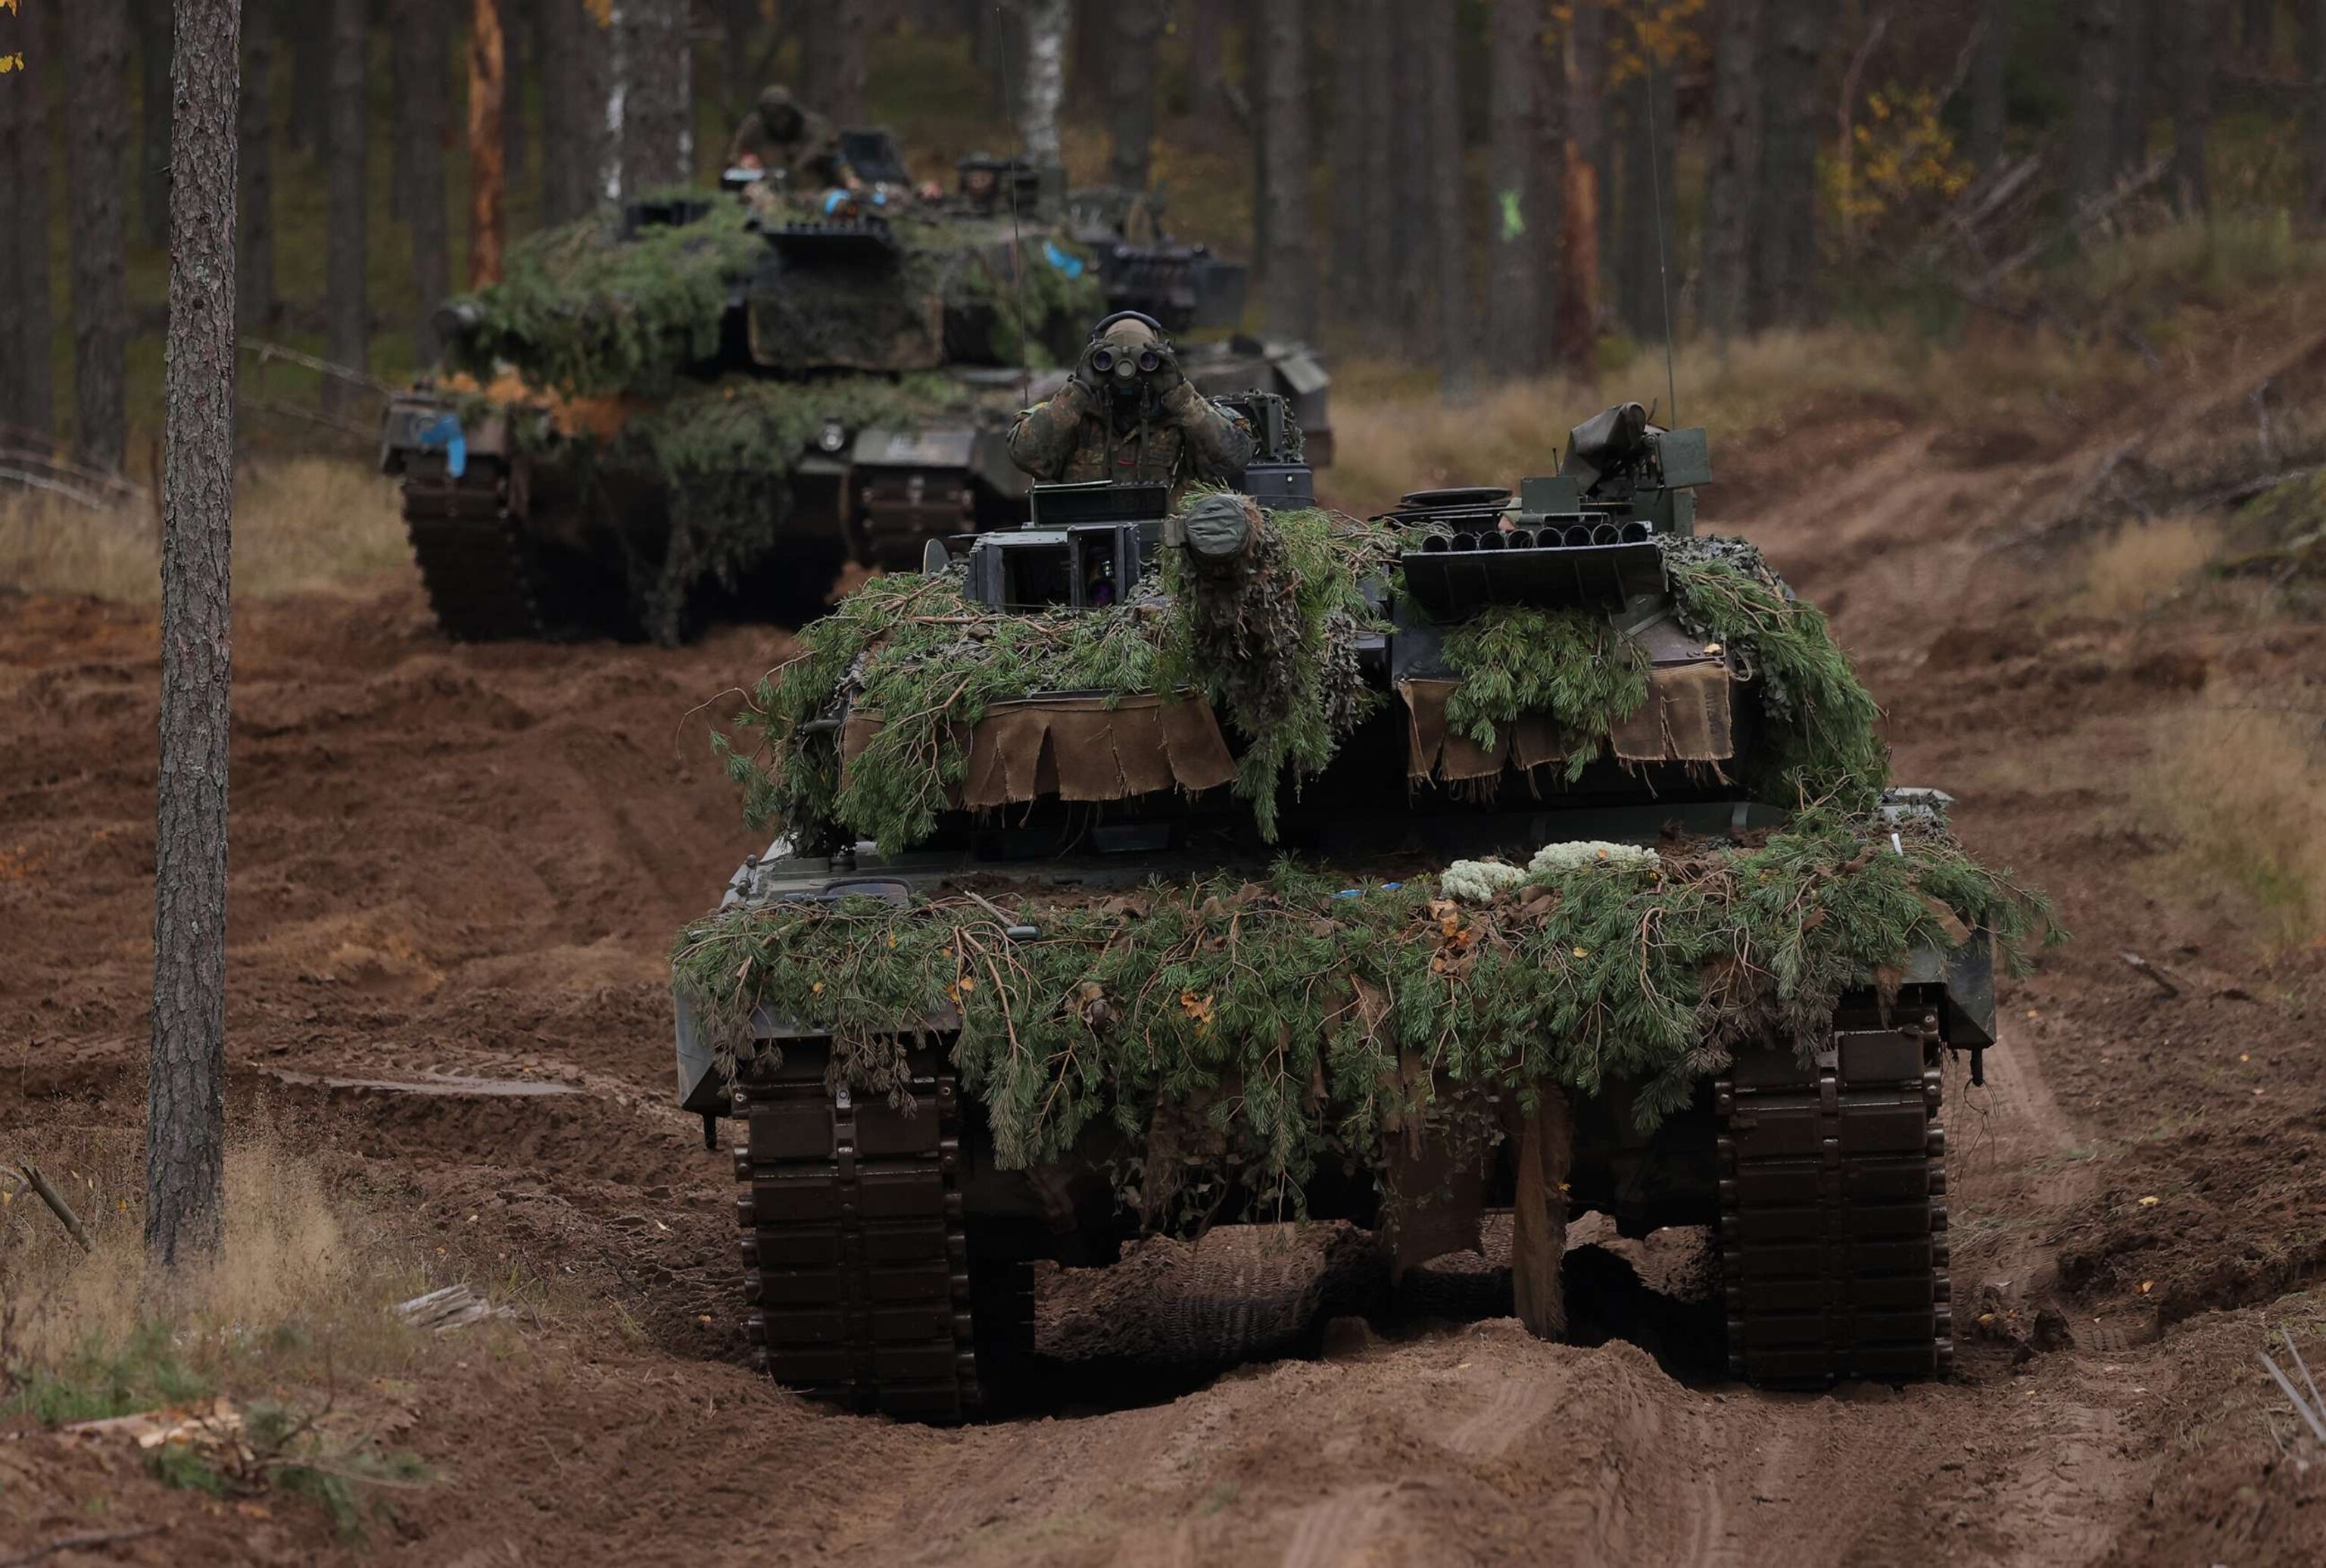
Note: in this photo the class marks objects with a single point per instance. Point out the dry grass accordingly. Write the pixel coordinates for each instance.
(300, 524)
(2244, 789)
(300, 1296)
(2141, 564)
(1394, 432)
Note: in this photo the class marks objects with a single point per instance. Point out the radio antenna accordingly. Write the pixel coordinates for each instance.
(1664, 267)
(1017, 244)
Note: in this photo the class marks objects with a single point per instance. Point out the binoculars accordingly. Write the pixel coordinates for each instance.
(1113, 362)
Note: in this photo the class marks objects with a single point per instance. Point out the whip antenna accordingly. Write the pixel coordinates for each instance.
(1663, 268)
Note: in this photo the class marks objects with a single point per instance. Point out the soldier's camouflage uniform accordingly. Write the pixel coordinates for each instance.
(1073, 436)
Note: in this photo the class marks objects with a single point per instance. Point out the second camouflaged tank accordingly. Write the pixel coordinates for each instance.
(709, 405)
(1145, 872)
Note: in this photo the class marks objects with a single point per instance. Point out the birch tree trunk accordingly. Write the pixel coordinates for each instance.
(1734, 173)
(347, 304)
(95, 90)
(1513, 227)
(1288, 266)
(185, 1101)
(658, 96)
(1583, 58)
(485, 143)
(1045, 81)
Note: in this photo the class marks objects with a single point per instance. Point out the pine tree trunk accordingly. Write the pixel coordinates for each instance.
(1514, 228)
(1583, 58)
(517, 41)
(311, 77)
(738, 19)
(1733, 174)
(1379, 165)
(185, 1099)
(346, 306)
(1288, 266)
(1549, 196)
(2093, 129)
(430, 89)
(254, 152)
(1137, 29)
(2311, 15)
(1988, 59)
(485, 189)
(20, 209)
(832, 56)
(152, 20)
(31, 324)
(1045, 81)
(100, 33)
(2136, 49)
(1356, 39)
(658, 96)
(1784, 282)
(554, 33)
(1207, 99)
(2197, 26)
(2256, 32)
(1449, 208)
(1411, 311)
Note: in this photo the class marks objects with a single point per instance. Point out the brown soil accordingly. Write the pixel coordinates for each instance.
(455, 869)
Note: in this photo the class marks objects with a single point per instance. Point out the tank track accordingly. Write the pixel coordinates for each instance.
(855, 1257)
(471, 551)
(1833, 1215)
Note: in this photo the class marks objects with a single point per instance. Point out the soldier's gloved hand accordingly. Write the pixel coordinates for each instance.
(1166, 377)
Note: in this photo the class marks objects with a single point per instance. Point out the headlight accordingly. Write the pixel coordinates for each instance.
(832, 437)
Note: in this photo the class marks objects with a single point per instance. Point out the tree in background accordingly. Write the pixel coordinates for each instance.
(831, 55)
(2198, 25)
(99, 33)
(2093, 134)
(1990, 54)
(185, 1120)
(255, 305)
(426, 109)
(655, 90)
(1733, 169)
(1288, 265)
(486, 145)
(27, 126)
(1457, 346)
(1784, 274)
(150, 21)
(1513, 223)
(1136, 29)
(1045, 81)
(347, 304)
(1583, 56)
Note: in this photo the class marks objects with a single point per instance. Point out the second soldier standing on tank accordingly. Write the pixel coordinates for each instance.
(1129, 413)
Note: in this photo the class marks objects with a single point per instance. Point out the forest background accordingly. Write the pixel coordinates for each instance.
(1447, 192)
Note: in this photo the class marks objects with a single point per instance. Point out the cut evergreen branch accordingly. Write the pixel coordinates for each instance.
(1303, 1024)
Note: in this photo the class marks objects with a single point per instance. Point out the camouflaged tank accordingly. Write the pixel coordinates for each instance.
(709, 405)
(1516, 850)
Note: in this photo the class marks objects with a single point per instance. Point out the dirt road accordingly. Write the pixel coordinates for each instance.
(456, 870)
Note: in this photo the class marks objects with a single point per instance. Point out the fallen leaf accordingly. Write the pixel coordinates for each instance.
(2150, 1202)
(2146, 1285)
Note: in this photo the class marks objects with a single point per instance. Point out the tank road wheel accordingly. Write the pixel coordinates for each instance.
(856, 1262)
(1833, 1216)
(472, 553)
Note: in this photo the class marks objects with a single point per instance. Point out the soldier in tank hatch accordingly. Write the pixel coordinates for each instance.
(1129, 413)
(786, 141)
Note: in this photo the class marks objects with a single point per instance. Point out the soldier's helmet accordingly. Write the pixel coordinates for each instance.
(778, 113)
